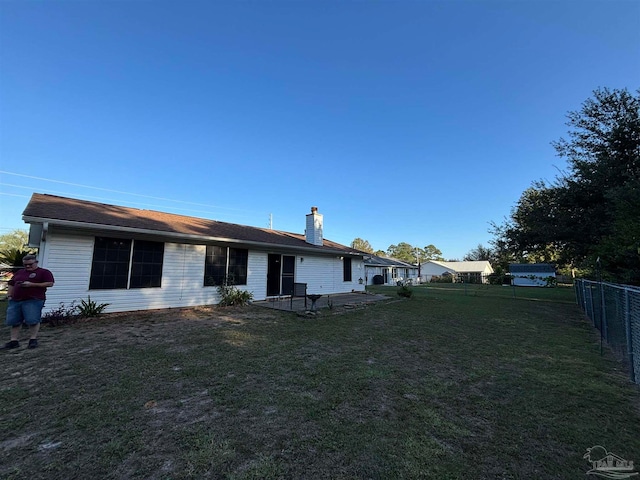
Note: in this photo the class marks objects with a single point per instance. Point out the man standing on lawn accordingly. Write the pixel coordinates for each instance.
(26, 295)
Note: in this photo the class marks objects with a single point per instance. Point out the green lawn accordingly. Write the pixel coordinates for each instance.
(448, 384)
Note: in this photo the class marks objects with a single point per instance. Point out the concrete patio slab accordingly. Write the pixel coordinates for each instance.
(347, 300)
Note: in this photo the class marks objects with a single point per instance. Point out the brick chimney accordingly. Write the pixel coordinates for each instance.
(313, 232)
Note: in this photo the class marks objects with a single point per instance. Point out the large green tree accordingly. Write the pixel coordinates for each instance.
(592, 209)
(362, 245)
(402, 251)
(479, 253)
(430, 252)
(410, 254)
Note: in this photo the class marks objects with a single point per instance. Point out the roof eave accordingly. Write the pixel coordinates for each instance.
(181, 236)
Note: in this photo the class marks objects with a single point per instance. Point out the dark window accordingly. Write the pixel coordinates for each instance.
(238, 263)
(215, 265)
(221, 262)
(346, 265)
(110, 266)
(146, 268)
(114, 267)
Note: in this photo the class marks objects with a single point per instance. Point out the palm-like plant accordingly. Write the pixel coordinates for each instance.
(13, 256)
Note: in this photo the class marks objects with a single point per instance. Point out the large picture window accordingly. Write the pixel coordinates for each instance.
(225, 262)
(110, 266)
(124, 263)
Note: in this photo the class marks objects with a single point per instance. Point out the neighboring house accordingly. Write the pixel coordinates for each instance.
(470, 272)
(531, 274)
(391, 270)
(142, 259)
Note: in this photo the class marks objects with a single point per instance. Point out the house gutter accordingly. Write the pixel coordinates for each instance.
(178, 236)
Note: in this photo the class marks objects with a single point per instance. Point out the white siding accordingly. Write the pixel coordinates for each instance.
(371, 272)
(428, 270)
(69, 257)
(324, 274)
(401, 273)
(525, 280)
(257, 275)
(313, 233)
(431, 268)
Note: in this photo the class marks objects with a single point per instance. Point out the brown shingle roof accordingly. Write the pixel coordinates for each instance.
(82, 213)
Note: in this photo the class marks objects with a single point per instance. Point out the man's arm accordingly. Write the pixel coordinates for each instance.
(34, 284)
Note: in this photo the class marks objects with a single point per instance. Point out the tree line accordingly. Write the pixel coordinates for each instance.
(410, 254)
(402, 251)
(587, 220)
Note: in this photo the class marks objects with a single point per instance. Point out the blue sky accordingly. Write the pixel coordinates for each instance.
(402, 121)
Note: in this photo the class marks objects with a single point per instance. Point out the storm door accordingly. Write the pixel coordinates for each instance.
(280, 274)
(274, 267)
(288, 271)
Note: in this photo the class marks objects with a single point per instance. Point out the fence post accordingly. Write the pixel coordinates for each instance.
(627, 323)
(593, 314)
(590, 300)
(603, 314)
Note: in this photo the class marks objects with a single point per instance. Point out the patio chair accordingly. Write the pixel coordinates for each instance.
(299, 290)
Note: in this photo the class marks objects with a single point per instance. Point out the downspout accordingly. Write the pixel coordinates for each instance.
(42, 249)
(184, 262)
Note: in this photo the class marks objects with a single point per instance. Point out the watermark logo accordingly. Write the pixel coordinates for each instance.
(608, 465)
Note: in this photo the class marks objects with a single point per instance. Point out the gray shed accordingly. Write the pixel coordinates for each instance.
(531, 274)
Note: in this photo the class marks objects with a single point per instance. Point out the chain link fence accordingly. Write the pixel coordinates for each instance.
(615, 311)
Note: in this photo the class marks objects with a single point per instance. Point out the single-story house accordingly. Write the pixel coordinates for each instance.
(469, 272)
(137, 259)
(391, 270)
(531, 274)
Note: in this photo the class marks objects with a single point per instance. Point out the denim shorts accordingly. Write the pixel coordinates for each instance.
(27, 311)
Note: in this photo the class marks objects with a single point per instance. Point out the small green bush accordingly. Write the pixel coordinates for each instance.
(499, 279)
(89, 308)
(230, 295)
(442, 279)
(405, 291)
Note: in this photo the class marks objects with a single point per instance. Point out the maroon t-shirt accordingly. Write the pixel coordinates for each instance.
(39, 275)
